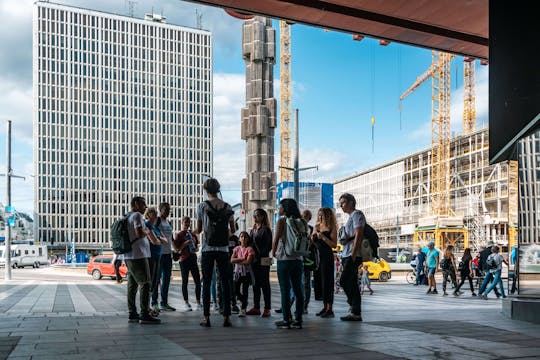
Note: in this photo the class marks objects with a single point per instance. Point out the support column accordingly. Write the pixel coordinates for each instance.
(259, 117)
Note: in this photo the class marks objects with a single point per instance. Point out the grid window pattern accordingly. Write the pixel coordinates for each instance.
(123, 107)
(529, 189)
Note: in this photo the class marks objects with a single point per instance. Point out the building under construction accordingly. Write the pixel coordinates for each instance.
(395, 197)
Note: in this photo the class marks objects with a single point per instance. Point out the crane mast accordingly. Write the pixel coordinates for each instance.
(285, 100)
(469, 96)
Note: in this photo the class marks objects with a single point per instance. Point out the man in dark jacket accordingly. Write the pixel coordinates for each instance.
(420, 275)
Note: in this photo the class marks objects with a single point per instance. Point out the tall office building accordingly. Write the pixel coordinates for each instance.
(122, 107)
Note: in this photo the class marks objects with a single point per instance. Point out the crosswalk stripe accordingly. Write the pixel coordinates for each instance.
(45, 303)
(80, 302)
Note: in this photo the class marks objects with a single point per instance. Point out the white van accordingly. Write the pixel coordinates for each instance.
(25, 255)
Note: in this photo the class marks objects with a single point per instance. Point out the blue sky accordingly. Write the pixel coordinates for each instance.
(338, 85)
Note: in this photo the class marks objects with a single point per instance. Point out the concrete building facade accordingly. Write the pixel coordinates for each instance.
(395, 195)
(122, 108)
(259, 116)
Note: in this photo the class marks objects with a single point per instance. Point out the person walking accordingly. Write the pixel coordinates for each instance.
(289, 268)
(486, 273)
(449, 268)
(325, 238)
(494, 263)
(151, 216)
(350, 238)
(165, 262)
(242, 257)
(431, 266)
(215, 221)
(365, 281)
(137, 263)
(186, 243)
(466, 272)
(261, 236)
(420, 274)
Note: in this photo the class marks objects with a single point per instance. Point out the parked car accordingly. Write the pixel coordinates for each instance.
(102, 265)
(379, 270)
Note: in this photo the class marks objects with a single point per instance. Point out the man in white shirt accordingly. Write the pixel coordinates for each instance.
(137, 263)
(350, 255)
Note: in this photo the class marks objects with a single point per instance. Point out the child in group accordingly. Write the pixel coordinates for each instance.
(242, 258)
(364, 280)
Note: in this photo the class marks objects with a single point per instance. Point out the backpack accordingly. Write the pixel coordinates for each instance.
(312, 260)
(446, 264)
(217, 233)
(373, 237)
(297, 240)
(120, 242)
(491, 263)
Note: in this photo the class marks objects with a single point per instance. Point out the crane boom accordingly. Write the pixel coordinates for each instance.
(469, 100)
(419, 81)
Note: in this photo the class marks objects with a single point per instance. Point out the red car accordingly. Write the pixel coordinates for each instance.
(102, 265)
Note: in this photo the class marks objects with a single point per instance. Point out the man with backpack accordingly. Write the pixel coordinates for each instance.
(137, 263)
(488, 276)
(351, 258)
(214, 221)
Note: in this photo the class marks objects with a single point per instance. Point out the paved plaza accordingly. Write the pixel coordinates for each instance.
(64, 315)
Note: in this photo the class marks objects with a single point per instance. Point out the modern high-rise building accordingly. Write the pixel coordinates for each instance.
(122, 108)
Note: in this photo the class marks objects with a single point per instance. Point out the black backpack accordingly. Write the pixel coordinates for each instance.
(446, 264)
(373, 237)
(120, 242)
(217, 233)
(312, 260)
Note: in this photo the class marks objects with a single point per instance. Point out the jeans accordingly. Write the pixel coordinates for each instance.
(221, 260)
(164, 274)
(154, 275)
(290, 276)
(420, 275)
(497, 280)
(138, 278)
(262, 282)
(487, 278)
(349, 283)
(187, 266)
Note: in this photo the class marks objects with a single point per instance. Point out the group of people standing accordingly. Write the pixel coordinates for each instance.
(244, 261)
(487, 264)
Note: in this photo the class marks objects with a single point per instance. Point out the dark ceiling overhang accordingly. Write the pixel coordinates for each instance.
(455, 26)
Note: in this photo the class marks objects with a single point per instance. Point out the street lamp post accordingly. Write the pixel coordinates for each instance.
(7, 266)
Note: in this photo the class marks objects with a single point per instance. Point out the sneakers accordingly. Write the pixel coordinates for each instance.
(187, 306)
(242, 313)
(296, 324)
(198, 307)
(156, 308)
(235, 309)
(266, 313)
(205, 322)
(473, 294)
(445, 293)
(351, 317)
(323, 310)
(133, 318)
(456, 293)
(328, 314)
(216, 306)
(148, 319)
(279, 311)
(253, 311)
(428, 291)
(484, 296)
(227, 322)
(434, 291)
(282, 324)
(167, 307)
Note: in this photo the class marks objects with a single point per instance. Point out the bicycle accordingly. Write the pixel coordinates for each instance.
(411, 276)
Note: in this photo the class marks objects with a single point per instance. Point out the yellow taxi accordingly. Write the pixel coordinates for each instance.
(378, 270)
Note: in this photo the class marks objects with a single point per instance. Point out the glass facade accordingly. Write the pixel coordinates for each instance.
(122, 107)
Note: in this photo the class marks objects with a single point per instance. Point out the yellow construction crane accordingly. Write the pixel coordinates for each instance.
(439, 226)
(285, 100)
(469, 96)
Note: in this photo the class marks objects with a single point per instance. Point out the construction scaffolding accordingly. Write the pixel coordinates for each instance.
(396, 196)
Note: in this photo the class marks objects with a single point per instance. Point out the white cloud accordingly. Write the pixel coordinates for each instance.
(16, 105)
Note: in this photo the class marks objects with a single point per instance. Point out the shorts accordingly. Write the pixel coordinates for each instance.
(431, 270)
